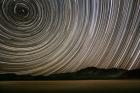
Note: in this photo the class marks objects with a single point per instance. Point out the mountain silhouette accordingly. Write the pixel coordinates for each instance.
(90, 73)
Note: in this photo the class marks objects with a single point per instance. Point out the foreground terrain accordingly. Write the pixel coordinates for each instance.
(61, 86)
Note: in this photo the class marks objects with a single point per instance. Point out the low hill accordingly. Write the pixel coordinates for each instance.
(84, 74)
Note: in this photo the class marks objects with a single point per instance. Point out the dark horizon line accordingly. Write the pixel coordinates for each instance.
(90, 73)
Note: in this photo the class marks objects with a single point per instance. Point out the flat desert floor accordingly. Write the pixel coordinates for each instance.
(71, 86)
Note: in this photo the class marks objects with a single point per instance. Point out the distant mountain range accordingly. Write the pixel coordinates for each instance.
(84, 74)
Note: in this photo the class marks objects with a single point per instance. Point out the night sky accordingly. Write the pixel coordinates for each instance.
(42, 37)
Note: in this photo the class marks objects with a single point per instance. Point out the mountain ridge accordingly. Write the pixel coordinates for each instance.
(90, 73)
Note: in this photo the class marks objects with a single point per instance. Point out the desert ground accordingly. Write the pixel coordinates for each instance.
(70, 86)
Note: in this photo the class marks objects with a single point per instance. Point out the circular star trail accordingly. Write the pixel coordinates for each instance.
(42, 37)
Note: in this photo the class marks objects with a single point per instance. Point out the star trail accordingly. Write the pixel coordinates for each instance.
(42, 37)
